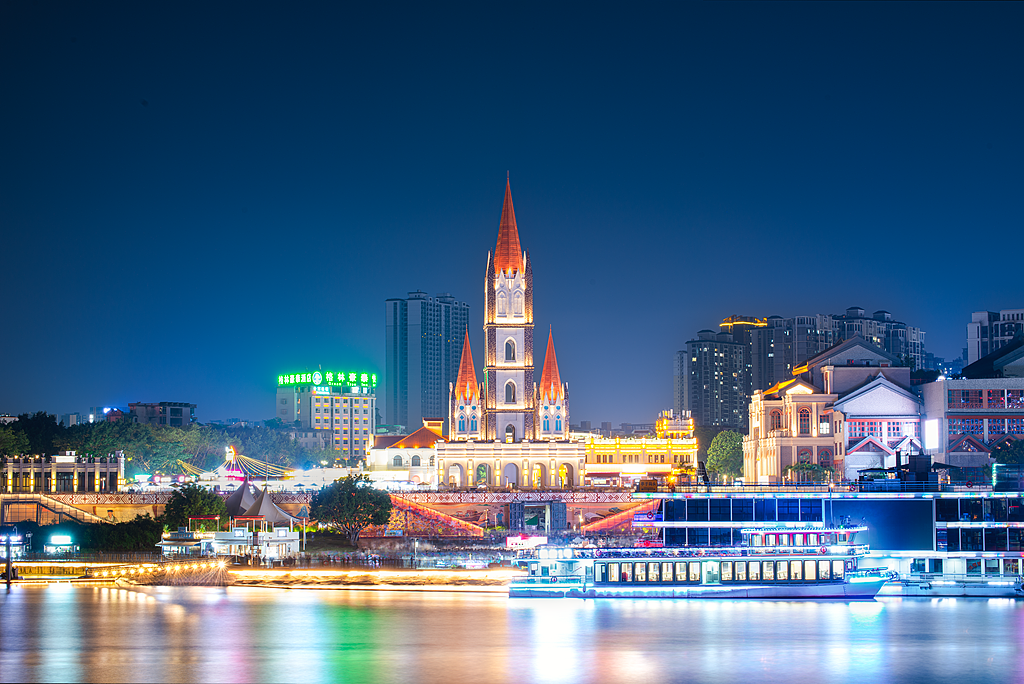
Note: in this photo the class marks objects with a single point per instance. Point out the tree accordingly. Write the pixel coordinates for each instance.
(350, 505)
(12, 442)
(705, 435)
(192, 501)
(816, 472)
(725, 455)
(1010, 452)
(41, 428)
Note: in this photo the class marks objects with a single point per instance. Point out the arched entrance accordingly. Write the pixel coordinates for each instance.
(483, 474)
(510, 475)
(510, 433)
(539, 476)
(456, 476)
(566, 478)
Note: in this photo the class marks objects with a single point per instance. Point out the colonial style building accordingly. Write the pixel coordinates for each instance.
(622, 461)
(511, 430)
(847, 409)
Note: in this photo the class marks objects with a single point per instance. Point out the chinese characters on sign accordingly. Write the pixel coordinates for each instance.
(350, 378)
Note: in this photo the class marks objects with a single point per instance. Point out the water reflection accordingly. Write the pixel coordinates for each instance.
(63, 633)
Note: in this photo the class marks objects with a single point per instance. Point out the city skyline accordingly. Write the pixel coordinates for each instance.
(190, 211)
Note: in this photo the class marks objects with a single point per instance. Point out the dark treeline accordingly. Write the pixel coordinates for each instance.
(152, 448)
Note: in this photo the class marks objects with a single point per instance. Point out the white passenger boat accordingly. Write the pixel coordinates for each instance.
(785, 561)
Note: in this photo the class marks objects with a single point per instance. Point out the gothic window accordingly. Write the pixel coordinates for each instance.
(517, 304)
(462, 423)
(415, 461)
(510, 392)
(558, 424)
(547, 424)
(502, 304)
(472, 424)
(775, 420)
(805, 421)
(397, 462)
(510, 350)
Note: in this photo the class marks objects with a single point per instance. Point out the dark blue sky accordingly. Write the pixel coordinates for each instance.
(295, 164)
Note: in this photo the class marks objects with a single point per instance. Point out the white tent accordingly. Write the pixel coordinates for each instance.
(269, 510)
(241, 500)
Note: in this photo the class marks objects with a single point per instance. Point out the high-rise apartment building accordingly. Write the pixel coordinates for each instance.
(712, 380)
(991, 330)
(423, 345)
(782, 344)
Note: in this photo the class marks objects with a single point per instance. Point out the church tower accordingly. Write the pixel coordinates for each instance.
(508, 330)
(464, 406)
(551, 399)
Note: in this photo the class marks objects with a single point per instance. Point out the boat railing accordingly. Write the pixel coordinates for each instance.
(549, 579)
(934, 579)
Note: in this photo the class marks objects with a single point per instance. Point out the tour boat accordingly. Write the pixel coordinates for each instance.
(781, 561)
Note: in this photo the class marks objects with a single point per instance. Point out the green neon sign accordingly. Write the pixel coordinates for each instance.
(329, 378)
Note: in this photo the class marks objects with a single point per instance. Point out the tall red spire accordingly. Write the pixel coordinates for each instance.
(466, 386)
(508, 254)
(550, 382)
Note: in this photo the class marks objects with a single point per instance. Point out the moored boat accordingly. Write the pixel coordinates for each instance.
(784, 561)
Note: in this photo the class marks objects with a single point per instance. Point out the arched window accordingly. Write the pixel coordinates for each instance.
(510, 433)
(510, 392)
(517, 304)
(547, 424)
(805, 421)
(502, 304)
(804, 456)
(431, 460)
(397, 462)
(510, 350)
(462, 423)
(558, 424)
(775, 420)
(825, 458)
(472, 424)
(415, 461)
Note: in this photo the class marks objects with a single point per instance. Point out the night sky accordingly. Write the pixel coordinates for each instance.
(196, 197)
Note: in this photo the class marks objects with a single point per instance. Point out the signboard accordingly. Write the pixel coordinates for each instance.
(641, 519)
(329, 379)
(524, 541)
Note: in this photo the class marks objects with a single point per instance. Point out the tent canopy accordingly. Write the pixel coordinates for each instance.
(240, 500)
(269, 510)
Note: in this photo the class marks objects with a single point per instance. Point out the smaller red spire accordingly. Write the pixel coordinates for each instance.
(465, 386)
(550, 382)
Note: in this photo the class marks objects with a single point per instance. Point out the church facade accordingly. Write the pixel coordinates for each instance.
(509, 429)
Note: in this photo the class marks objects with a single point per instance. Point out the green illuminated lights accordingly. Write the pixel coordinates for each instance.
(329, 378)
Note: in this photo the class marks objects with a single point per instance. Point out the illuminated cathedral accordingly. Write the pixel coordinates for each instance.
(509, 406)
(528, 419)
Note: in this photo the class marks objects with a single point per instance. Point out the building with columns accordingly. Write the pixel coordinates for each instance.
(509, 430)
(847, 409)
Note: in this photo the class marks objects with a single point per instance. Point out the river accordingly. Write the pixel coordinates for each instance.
(198, 634)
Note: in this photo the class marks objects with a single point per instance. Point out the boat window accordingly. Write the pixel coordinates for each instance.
(641, 572)
(756, 540)
(666, 572)
(784, 539)
(627, 572)
(798, 540)
(680, 572)
(694, 571)
(809, 570)
(600, 572)
(741, 571)
(782, 571)
(654, 572)
(823, 570)
(769, 540)
(726, 571)
(754, 569)
(533, 568)
(768, 570)
(812, 540)
(837, 569)
(613, 572)
(796, 570)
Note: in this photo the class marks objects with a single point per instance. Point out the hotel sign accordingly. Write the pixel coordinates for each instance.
(329, 378)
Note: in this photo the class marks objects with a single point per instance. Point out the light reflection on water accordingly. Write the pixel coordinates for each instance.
(63, 633)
